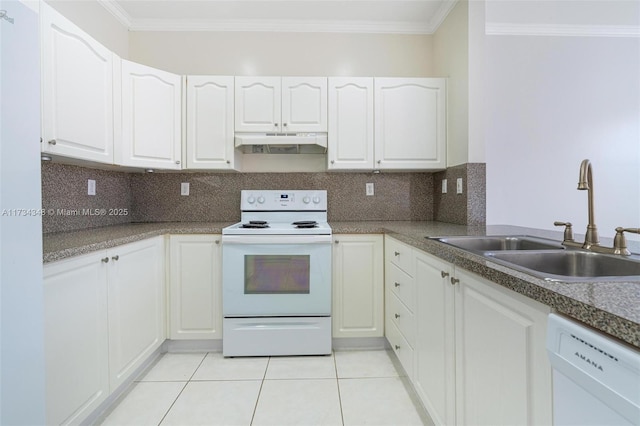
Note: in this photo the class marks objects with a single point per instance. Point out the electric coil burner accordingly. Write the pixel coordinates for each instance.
(276, 275)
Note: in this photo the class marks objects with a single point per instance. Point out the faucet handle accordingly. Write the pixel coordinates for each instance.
(568, 230)
(620, 242)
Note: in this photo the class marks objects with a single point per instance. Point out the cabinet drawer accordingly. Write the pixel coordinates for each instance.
(402, 285)
(402, 318)
(400, 254)
(402, 349)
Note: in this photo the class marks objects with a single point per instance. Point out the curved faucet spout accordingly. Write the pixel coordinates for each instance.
(585, 182)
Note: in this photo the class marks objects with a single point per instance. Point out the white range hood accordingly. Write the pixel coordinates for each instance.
(281, 143)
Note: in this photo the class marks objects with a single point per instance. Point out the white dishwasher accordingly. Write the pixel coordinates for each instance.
(596, 379)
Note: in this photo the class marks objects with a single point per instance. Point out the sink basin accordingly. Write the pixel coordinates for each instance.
(571, 265)
(495, 243)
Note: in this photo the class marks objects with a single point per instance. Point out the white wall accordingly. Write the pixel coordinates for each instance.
(450, 59)
(255, 53)
(22, 383)
(552, 102)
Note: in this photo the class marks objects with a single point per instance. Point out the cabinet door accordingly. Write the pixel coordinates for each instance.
(350, 144)
(502, 372)
(136, 306)
(77, 91)
(410, 123)
(435, 343)
(209, 123)
(76, 337)
(195, 287)
(151, 118)
(304, 104)
(257, 104)
(358, 286)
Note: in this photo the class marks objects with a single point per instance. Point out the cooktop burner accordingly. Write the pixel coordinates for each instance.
(255, 224)
(303, 224)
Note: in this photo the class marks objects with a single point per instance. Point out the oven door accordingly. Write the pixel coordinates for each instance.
(276, 275)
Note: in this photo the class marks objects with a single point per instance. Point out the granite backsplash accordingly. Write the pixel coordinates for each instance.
(123, 197)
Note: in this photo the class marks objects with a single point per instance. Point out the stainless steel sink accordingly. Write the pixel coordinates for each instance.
(571, 265)
(503, 242)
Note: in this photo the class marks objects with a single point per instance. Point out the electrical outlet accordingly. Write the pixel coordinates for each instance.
(444, 186)
(369, 189)
(91, 187)
(459, 186)
(184, 188)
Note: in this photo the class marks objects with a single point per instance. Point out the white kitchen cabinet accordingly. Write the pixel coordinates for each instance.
(76, 337)
(351, 129)
(410, 123)
(209, 123)
(195, 288)
(400, 321)
(435, 343)
(358, 286)
(503, 376)
(77, 91)
(151, 118)
(281, 104)
(136, 306)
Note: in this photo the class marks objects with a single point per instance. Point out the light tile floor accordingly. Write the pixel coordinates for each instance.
(349, 388)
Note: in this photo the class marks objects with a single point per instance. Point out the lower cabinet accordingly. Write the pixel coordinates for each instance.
(104, 316)
(358, 286)
(195, 287)
(479, 352)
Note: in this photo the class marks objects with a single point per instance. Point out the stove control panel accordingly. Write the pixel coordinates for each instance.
(277, 200)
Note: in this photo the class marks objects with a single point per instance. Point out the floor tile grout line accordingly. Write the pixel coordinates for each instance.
(335, 365)
(199, 365)
(255, 408)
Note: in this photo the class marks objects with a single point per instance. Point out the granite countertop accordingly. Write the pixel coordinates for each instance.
(613, 308)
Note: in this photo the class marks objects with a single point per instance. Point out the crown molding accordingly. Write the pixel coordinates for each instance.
(117, 11)
(502, 29)
(441, 14)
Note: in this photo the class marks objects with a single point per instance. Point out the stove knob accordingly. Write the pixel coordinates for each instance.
(306, 200)
(316, 200)
(260, 200)
(251, 200)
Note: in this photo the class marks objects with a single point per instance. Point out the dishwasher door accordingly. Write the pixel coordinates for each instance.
(596, 379)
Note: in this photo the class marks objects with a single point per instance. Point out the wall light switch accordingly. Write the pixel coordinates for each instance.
(91, 187)
(459, 186)
(184, 188)
(444, 186)
(369, 189)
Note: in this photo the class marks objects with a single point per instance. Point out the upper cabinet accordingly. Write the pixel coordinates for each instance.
(77, 91)
(209, 123)
(151, 118)
(350, 138)
(410, 123)
(281, 104)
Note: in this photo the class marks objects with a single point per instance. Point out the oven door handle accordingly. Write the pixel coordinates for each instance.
(276, 239)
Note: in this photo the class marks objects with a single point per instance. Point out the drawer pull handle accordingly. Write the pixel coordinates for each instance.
(454, 281)
(116, 257)
(397, 348)
(396, 253)
(444, 274)
(397, 316)
(105, 260)
(396, 284)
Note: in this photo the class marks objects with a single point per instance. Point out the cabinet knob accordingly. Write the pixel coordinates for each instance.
(397, 316)
(177, 161)
(52, 142)
(105, 260)
(217, 241)
(337, 241)
(397, 347)
(396, 253)
(396, 284)
(275, 124)
(454, 280)
(379, 161)
(284, 125)
(228, 162)
(444, 274)
(116, 257)
(333, 162)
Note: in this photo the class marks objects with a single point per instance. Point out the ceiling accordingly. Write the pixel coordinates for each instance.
(344, 16)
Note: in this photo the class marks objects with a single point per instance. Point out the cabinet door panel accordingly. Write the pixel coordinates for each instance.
(350, 123)
(257, 104)
(151, 117)
(76, 340)
(304, 104)
(136, 306)
(210, 122)
(77, 91)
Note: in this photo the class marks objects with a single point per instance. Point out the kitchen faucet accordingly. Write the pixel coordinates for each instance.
(591, 242)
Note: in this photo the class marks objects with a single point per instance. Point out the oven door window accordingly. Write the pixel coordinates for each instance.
(276, 274)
